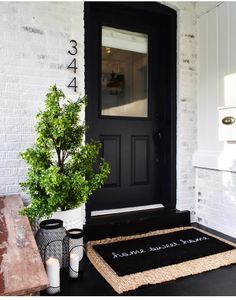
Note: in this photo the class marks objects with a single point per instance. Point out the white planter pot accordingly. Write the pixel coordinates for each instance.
(72, 218)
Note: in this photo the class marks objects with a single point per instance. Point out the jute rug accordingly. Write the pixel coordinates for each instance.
(128, 262)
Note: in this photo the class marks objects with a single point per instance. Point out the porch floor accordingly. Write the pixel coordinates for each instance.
(220, 282)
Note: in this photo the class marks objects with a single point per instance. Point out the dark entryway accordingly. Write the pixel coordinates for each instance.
(130, 62)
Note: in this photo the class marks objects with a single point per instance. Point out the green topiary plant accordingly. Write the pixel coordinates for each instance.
(61, 172)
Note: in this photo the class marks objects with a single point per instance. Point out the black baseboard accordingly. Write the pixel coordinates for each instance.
(215, 232)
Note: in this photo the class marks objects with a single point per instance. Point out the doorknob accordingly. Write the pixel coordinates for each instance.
(157, 134)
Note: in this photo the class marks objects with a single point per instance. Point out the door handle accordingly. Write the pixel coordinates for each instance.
(157, 134)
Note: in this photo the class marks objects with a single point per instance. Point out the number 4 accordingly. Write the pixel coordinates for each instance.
(72, 84)
(72, 65)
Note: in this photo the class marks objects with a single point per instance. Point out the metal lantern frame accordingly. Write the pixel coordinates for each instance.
(73, 244)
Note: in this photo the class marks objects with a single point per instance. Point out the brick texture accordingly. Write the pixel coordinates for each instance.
(216, 204)
(35, 38)
(186, 104)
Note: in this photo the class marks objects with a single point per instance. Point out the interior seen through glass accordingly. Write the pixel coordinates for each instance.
(124, 73)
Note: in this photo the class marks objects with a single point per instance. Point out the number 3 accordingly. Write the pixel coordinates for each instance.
(74, 47)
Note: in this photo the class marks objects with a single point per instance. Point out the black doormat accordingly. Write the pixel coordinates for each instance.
(159, 256)
(142, 254)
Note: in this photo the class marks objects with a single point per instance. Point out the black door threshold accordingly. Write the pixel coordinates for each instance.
(137, 222)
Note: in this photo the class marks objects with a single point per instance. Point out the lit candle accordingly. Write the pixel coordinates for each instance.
(53, 272)
(74, 265)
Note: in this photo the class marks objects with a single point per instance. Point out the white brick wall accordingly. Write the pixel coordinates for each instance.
(186, 104)
(34, 39)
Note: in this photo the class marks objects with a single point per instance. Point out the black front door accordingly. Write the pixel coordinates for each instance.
(130, 82)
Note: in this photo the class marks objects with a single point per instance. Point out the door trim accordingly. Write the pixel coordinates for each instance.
(158, 9)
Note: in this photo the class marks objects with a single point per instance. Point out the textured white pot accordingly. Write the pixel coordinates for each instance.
(72, 218)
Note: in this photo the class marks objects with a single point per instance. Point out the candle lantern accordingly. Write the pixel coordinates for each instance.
(49, 239)
(74, 246)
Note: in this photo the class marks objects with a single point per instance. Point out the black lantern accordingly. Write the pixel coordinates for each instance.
(49, 239)
(73, 244)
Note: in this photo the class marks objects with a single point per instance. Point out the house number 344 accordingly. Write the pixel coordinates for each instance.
(73, 51)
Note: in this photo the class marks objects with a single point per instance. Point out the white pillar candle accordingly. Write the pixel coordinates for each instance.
(53, 272)
(74, 265)
(80, 252)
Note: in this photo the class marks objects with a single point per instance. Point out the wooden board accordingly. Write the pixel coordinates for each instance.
(21, 268)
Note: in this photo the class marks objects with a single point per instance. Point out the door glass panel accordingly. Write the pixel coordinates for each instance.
(124, 82)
